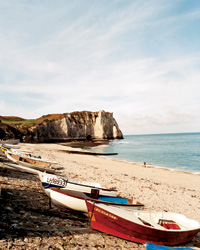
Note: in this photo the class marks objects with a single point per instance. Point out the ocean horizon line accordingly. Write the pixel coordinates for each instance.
(167, 133)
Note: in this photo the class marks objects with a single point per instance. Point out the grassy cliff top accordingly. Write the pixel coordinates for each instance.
(15, 120)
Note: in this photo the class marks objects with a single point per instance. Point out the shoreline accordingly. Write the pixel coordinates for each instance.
(88, 146)
(148, 165)
(159, 189)
(153, 166)
(108, 172)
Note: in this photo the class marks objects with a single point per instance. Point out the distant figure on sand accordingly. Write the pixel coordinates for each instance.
(145, 164)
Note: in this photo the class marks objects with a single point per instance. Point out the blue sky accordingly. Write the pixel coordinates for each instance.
(139, 59)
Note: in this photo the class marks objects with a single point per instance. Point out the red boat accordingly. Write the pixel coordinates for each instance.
(160, 228)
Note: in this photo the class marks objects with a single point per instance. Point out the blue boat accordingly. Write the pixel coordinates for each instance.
(150, 246)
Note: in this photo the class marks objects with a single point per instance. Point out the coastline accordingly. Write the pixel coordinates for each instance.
(113, 173)
(159, 189)
(173, 151)
(176, 169)
(153, 166)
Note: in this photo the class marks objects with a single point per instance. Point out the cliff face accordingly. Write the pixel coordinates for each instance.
(77, 125)
(9, 132)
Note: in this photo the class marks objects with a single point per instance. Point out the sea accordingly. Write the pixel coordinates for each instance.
(180, 152)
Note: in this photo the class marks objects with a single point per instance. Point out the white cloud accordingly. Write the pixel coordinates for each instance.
(120, 56)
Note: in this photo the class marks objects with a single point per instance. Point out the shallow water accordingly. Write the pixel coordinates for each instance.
(173, 151)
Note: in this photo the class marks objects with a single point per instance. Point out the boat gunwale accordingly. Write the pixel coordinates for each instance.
(139, 221)
(81, 196)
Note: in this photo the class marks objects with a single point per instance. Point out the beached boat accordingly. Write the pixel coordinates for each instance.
(29, 162)
(55, 181)
(161, 228)
(10, 141)
(4, 149)
(11, 146)
(26, 154)
(150, 246)
(22, 168)
(15, 150)
(76, 200)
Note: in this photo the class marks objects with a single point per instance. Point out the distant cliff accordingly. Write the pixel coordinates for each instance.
(84, 125)
(76, 125)
(9, 132)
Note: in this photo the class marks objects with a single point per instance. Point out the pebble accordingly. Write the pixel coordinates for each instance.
(28, 223)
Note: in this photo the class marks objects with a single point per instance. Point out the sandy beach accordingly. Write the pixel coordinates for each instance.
(158, 189)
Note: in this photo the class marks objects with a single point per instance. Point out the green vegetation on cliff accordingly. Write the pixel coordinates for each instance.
(78, 125)
(17, 127)
(14, 127)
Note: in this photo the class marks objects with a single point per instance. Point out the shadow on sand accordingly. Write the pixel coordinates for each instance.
(25, 210)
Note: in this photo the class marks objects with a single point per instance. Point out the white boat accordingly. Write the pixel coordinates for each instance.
(10, 141)
(11, 146)
(76, 200)
(22, 168)
(55, 181)
(29, 162)
(27, 154)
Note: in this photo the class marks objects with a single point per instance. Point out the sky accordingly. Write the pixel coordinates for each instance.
(139, 59)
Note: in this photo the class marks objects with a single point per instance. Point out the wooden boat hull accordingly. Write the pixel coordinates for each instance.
(29, 160)
(27, 156)
(76, 200)
(130, 228)
(54, 181)
(16, 159)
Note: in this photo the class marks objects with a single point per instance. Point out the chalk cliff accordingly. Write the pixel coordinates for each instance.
(76, 125)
